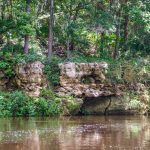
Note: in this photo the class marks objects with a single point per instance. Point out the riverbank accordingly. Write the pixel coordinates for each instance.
(18, 104)
(31, 86)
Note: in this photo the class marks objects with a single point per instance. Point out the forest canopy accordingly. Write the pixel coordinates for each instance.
(112, 28)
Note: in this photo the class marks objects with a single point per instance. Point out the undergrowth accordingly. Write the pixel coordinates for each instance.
(14, 104)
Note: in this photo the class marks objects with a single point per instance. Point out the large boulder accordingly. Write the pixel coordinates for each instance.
(30, 78)
(124, 105)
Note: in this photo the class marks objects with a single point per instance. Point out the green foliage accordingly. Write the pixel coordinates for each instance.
(47, 94)
(52, 70)
(18, 104)
(7, 64)
(31, 57)
(9, 57)
(132, 101)
(70, 105)
(42, 107)
(125, 70)
(115, 72)
(17, 101)
(88, 24)
(4, 106)
(48, 104)
(81, 57)
(15, 104)
(91, 29)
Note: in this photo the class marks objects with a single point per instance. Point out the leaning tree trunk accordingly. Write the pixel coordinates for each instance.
(26, 38)
(51, 23)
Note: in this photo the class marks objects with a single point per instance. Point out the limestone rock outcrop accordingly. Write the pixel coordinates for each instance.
(89, 82)
(30, 78)
(85, 80)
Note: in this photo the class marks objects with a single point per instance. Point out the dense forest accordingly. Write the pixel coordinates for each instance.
(104, 27)
(82, 31)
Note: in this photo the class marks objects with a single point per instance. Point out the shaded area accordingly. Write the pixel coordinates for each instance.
(105, 106)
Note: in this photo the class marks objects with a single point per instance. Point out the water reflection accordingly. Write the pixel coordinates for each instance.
(77, 133)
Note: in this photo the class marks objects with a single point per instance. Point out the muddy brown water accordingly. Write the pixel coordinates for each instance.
(75, 133)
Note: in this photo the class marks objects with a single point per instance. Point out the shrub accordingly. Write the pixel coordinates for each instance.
(7, 64)
(4, 106)
(41, 107)
(31, 57)
(19, 104)
(133, 102)
(8, 60)
(52, 70)
(70, 105)
(55, 107)
(47, 94)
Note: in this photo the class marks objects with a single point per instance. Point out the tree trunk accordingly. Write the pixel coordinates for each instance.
(110, 4)
(26, 38)
(51, 23)
(102, 41)
(126, 28)
(3, 11)
(71, 45)
(68, 49)
(26, 44)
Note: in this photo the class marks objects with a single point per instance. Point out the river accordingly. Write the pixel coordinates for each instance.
(75, 133)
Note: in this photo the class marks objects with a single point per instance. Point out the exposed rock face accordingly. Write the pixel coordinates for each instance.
(89, 82)
(30, 78)
(115, 105)
(85, 80)
(105, 105)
